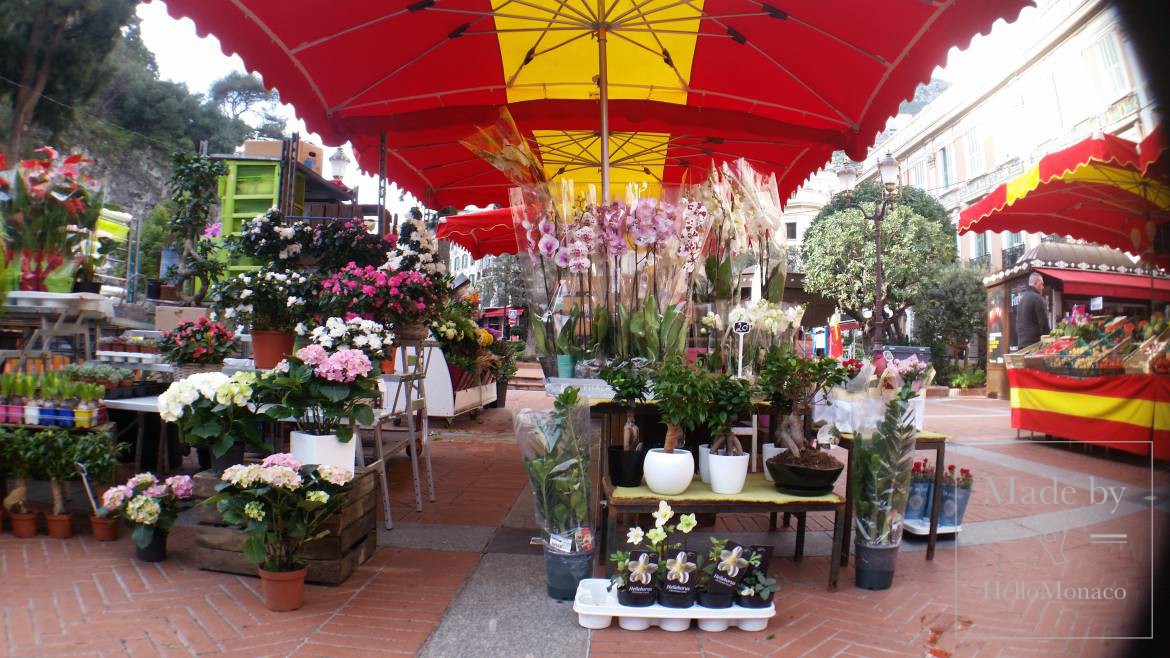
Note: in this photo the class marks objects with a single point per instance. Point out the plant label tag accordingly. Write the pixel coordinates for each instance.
(583, 539)
(641, 572)
(681, 572)
(561, 543)
(730, 569)
(887, 355)
(741, 327)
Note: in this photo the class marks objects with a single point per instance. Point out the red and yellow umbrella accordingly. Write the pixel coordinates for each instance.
(1104, 189)
(652, 90)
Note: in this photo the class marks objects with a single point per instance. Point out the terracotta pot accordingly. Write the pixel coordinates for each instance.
(269, 347)
(60, 525)
(104, 528)
(387, 365)
(283, 590)
(24, 525)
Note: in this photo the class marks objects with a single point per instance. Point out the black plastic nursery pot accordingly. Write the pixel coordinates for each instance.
(87, 286)
(635, 599)
(155, 551)
(801, 480)
(565, 571)
(716, 601)
(234, 455)
(625, 466)
(675, 600)
(753, 601)
(874, 565)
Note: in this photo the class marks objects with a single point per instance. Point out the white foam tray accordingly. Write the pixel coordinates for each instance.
(922, 527)
(596, 607)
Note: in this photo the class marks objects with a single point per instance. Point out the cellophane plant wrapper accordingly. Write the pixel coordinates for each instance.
(555, 448)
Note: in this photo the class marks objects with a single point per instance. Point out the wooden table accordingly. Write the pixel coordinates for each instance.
(922, 441)
(758, 495)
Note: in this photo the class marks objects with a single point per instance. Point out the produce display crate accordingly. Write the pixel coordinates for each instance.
(352, 538)
(1138, 362)
(1018, 358)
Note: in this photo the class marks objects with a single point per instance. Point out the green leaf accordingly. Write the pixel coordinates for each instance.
(334, 392)
(142, 535)
(222, 444)
(363, 414)
(254, 549)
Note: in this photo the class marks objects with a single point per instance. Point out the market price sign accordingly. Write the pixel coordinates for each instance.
(741, 327)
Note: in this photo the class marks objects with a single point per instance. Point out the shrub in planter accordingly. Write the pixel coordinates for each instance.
(629, 384)
(216, 411)
(15, 449)
(336, 244)
(51, 456)
(150, 508)
(554, 446)
(677, 387)
(663, 565)
(329, 395)
(281, 505)
(97, 458)
(273, 302)
(881, 485)
(730, 398)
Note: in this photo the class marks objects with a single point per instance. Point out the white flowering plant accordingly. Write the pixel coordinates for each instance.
(147, 504)
(371, 338)
(214, 410)
(270, 238)
(268, 299)
(414, 249)
(282, 505)
(656, 540)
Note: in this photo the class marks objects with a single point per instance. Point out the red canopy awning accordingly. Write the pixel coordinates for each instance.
(1108, 284)
(501, 312)
(486, 233)
(782, 83)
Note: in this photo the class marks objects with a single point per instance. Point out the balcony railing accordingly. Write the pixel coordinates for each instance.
(1012, 254)
(982, 262)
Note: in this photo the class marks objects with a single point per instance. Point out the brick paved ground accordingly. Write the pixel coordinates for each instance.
(79, 597)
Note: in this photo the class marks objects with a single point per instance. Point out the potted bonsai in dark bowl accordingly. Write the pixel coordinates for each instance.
(629, 384)
(789, 382)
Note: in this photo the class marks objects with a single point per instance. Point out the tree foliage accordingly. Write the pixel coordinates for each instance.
(237, 94)
(839, 261)
(59, 49)
(502, 282)
(951, 306)
(870, 192)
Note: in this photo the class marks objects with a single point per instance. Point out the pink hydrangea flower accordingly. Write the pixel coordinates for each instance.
(312, 354)
(282, 459)
(182, 486)
(157, 491)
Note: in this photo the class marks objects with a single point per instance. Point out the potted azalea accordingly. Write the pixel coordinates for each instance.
(790, 383)
(730, 398)
(880, 475)
(273, 302)
(663, 569)
(150, 508)
(269, 238)
(554, 446)
(677, 388)
(630, 386)
(281, 505)
(216, 411)
(198, 345)
(333, 245)
(328, 394)
(367, 336)
(397, 299)
(956, 493)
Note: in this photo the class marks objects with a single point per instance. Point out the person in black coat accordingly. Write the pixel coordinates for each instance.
(1032, 313)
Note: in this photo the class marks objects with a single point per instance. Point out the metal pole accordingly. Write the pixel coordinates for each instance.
(878, 301)
(381, 182)
(603, 85)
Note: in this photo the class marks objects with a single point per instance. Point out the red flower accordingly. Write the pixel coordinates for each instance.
(951, 467)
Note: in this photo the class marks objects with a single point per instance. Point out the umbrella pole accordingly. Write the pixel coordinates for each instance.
(603, 86)
(382, 229)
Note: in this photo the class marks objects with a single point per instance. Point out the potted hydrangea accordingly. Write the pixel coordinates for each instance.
(367, 336)
(150, 508)
(328, 393)
(216, 411)
(197, 346)
(273, 302)
(281, 505)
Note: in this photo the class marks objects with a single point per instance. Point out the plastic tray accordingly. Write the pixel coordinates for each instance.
(922, 527)
(596, 607)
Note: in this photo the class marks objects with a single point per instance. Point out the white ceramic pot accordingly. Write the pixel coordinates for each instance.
(728, 473)
(770, 451)
(324, 449)
(668, 474)
(704, 465)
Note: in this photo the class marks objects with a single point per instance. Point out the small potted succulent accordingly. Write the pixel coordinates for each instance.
(197, 346)
(630, 386)
(281, 505)
(150, 508)
(677, 387)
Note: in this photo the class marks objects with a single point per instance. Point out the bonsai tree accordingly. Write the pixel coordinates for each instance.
(98, 454)
(677, 389)
(629, 384)
(790, 382)
(730, 398)
(881, 474)
(14, 449)
(194, 182)
(51, 456)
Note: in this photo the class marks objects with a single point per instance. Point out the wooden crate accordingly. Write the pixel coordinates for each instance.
(351, 541)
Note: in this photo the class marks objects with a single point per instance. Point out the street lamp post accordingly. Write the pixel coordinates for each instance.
(888, 172)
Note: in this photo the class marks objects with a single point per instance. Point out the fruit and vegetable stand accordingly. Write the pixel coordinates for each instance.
(1129, 412)
(758, 495)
